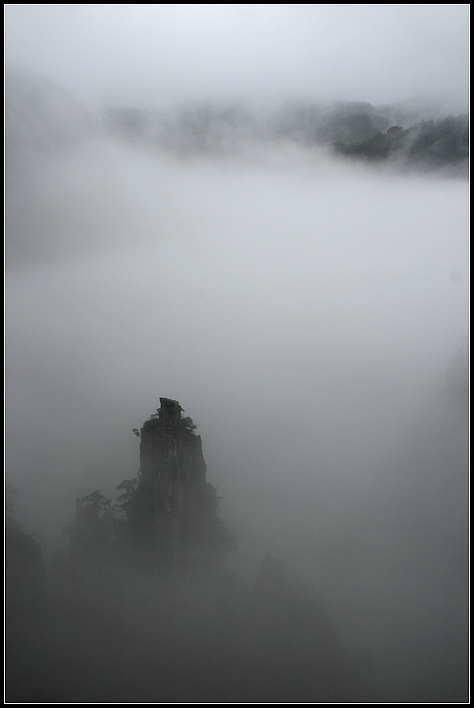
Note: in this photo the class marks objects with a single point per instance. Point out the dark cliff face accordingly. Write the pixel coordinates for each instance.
(175, 509)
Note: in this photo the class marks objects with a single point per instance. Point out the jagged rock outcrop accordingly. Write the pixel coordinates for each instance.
(174, 511)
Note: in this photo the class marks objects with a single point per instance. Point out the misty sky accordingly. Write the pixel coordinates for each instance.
(155, 54)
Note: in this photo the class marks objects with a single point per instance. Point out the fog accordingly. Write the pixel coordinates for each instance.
(160, 54)
(309, 312)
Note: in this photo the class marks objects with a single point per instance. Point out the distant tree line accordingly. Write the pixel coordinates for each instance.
(43, 118)
(430, 143)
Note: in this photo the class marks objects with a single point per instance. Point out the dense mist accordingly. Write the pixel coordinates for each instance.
(307, 307)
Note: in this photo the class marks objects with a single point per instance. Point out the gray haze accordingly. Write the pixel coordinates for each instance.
(155, 54)
(309, 313)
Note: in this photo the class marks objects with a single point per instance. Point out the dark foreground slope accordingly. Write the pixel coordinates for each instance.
(107, 634)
